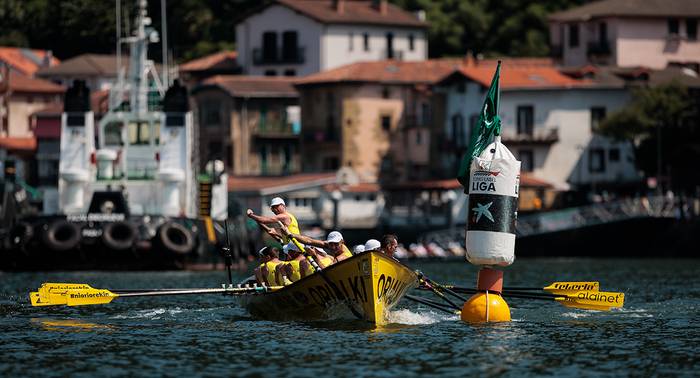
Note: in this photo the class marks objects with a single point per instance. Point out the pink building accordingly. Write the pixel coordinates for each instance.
(628, 33)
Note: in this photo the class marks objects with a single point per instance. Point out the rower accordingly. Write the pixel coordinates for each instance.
(267, 269)
(356, 250)
(334, 244)
(279, 208)
(294, 269)
(258, 271)
(389, 244)
(372, 245)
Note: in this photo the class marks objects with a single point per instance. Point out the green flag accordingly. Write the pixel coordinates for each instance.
(486, 128)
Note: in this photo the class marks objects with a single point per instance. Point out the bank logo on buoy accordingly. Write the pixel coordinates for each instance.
(480, 210)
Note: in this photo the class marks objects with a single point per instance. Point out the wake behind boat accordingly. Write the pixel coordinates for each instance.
(367, 286)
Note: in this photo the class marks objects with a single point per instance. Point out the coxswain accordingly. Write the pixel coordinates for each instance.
(279, 208)
(268, 268)
(296, 268)
(389, 244)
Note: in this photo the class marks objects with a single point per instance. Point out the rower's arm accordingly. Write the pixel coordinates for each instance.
(259, 276)
(308, 240)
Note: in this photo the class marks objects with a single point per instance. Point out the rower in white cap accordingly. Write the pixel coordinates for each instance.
(334, 244)
(279, 208)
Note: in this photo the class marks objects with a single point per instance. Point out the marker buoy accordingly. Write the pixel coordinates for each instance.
(487, 305)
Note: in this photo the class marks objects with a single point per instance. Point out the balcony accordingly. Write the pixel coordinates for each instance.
(276, 130)
(598, 48)
(539, 136)
(278, 56)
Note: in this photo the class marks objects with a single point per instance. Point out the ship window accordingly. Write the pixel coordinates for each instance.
(156, 132)
(113, 134)
(75, 120)
(139, 133)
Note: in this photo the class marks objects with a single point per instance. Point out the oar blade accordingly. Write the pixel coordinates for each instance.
(572, 287)
(566, 303)
(599, 299)
(89, 297)
(39, 300)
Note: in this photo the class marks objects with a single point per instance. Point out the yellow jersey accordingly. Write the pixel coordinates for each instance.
(269, 272)
(293, 227)
(346, 252)
(328, 260)
(296, 270)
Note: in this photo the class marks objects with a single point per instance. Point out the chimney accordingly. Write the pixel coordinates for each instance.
(420, 15)
(380, 5)
(46, 62)
(339, 6)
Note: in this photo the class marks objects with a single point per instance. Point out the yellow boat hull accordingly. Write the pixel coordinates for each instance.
(365, 286)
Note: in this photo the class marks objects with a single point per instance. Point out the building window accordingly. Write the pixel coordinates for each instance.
(614, 154)
(597, 116)
(596, 160)
(458, 136)
(351, 41)
(366, 41)
(386, 92)
(269, 46)
(290, 72)
(386, 123)
(330, 163)
(411, 42)
(691, 28)
(525, 120)
(573, 35)
(390, 45)
(603, 34)
(673, 26)
(425, 114)
(290, 46)
(270, 73)
(527, 162)
(419, 137)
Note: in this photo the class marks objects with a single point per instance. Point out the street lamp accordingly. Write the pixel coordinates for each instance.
(336, 196)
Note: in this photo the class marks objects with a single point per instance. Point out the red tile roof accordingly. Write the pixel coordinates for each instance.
(364, 187)
(25, 61)
(353, 12)
(222, 59)
(518, 73)
(276, 184)
(18, 144)
(386, 71)
(252, 86)
(26, 84)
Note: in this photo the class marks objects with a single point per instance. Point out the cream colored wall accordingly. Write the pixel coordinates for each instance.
(645, 42)
(20, 110)
(365, 143)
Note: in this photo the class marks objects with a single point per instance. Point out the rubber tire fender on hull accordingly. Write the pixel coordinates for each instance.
(61, 235)
(119, 236)
(176, 238)
(20, 234)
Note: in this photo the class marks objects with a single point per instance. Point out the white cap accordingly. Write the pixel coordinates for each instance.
(372, 245)
(358, 249)
(334, 237)
(277, 201)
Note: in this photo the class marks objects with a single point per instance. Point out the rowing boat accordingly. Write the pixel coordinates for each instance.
(368, 286)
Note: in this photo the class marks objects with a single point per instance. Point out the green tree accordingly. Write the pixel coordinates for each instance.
(667, 117)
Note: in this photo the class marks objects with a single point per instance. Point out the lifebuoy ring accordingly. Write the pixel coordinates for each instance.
(175, 238)
(119, 235)
(61, 235)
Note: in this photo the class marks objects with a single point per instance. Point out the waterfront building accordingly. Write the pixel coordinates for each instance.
(219, 63)
(302, 37)
(628, 33)
(251, 123)
(99, 71)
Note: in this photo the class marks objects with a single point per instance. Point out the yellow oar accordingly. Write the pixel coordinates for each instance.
(81, 294)
(600, 299)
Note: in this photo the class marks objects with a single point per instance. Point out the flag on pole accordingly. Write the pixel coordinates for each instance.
(488, 126)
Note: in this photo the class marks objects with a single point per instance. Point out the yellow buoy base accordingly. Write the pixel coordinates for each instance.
(478, 310)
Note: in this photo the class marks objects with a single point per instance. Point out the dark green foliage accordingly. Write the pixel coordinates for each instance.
(199, 27)
(668, 112)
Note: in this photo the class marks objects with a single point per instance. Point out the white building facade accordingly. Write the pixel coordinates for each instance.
(552, 131)
(295, 38)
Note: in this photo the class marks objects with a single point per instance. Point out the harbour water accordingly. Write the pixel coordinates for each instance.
(655, 334)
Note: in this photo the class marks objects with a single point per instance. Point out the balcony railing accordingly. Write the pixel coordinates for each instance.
(275, 129)
(278, 56)
(538, 136)
(598, 48)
